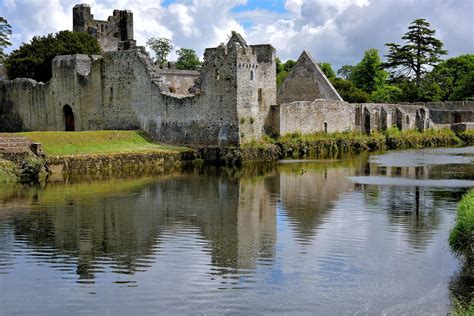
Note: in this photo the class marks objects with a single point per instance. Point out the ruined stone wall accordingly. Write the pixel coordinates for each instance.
(380, 116)
(337, 116)
(76, 83)
(256, 89)
(121, 91)
(179, 81)
(451, 112)
(309, 117)
(140, 98)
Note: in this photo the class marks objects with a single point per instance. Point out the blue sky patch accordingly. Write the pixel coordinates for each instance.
(270, 5)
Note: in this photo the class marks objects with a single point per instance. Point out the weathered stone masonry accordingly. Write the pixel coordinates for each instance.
(124, 90)
(231, 101)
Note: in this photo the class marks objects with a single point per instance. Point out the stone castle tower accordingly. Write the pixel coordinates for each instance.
(244, 75)
(115, 34)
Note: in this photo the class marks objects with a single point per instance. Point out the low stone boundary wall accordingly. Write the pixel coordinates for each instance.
(119, 163)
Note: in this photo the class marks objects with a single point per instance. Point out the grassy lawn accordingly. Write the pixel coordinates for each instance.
(97, 142)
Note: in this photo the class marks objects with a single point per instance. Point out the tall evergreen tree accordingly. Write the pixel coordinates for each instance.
(5, 32)
(421, 50)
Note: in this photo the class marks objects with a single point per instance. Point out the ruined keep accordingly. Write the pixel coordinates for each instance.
(232, 100)
(114, 34)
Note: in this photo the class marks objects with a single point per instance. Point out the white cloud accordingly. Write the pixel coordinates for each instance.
(336, 31)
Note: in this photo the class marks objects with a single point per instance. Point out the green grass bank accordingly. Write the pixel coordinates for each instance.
(134, 151)
(336, 145)
(461, 240)
(97, 142)
(108, 152)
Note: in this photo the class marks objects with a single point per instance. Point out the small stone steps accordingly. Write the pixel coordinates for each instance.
(14, 144)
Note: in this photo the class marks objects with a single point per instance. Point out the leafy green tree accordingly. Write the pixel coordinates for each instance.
(289, 65)
(162, 47)
(33, 60)
(187, 59)
(345, 71)
(327, 69)
(387, 94)
(449, 80)
(279, 65)
(281, 76)
(5, 32)
(368, 75)
(422, 49)
(349, 92)
(464, 90)
(282, 69)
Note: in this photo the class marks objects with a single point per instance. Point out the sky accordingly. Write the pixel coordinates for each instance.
(334, 31)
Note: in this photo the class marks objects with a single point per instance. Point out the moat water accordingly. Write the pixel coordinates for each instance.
(366, 235)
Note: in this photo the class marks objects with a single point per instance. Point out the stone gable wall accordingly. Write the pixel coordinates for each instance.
(306, 82)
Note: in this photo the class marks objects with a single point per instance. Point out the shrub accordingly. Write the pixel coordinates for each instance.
(461, 238)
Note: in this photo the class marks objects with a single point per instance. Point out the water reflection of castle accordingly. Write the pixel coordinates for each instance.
(235, 217)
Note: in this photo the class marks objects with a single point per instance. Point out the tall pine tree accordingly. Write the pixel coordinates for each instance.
(421, 50)
(5, 32)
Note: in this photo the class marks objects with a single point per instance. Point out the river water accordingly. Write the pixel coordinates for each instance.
(366, 235)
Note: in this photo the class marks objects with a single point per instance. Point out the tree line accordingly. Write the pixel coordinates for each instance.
(413, 71)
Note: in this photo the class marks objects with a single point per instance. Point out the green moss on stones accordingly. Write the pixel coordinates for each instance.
(9, 172)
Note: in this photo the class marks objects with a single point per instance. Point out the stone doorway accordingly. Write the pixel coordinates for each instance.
(69, 118)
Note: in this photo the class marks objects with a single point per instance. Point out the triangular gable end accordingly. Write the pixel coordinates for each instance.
(306, 82)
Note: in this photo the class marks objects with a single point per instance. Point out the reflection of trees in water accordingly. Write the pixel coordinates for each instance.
(308, 197)
(416, 211)
(458, 172)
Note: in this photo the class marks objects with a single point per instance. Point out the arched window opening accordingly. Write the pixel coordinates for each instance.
(216, 74)
(260, 95)
(325, 127)
(252, 75)
(68, 118)
(407, 120)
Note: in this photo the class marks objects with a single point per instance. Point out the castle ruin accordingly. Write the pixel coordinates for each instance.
(232, 100)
